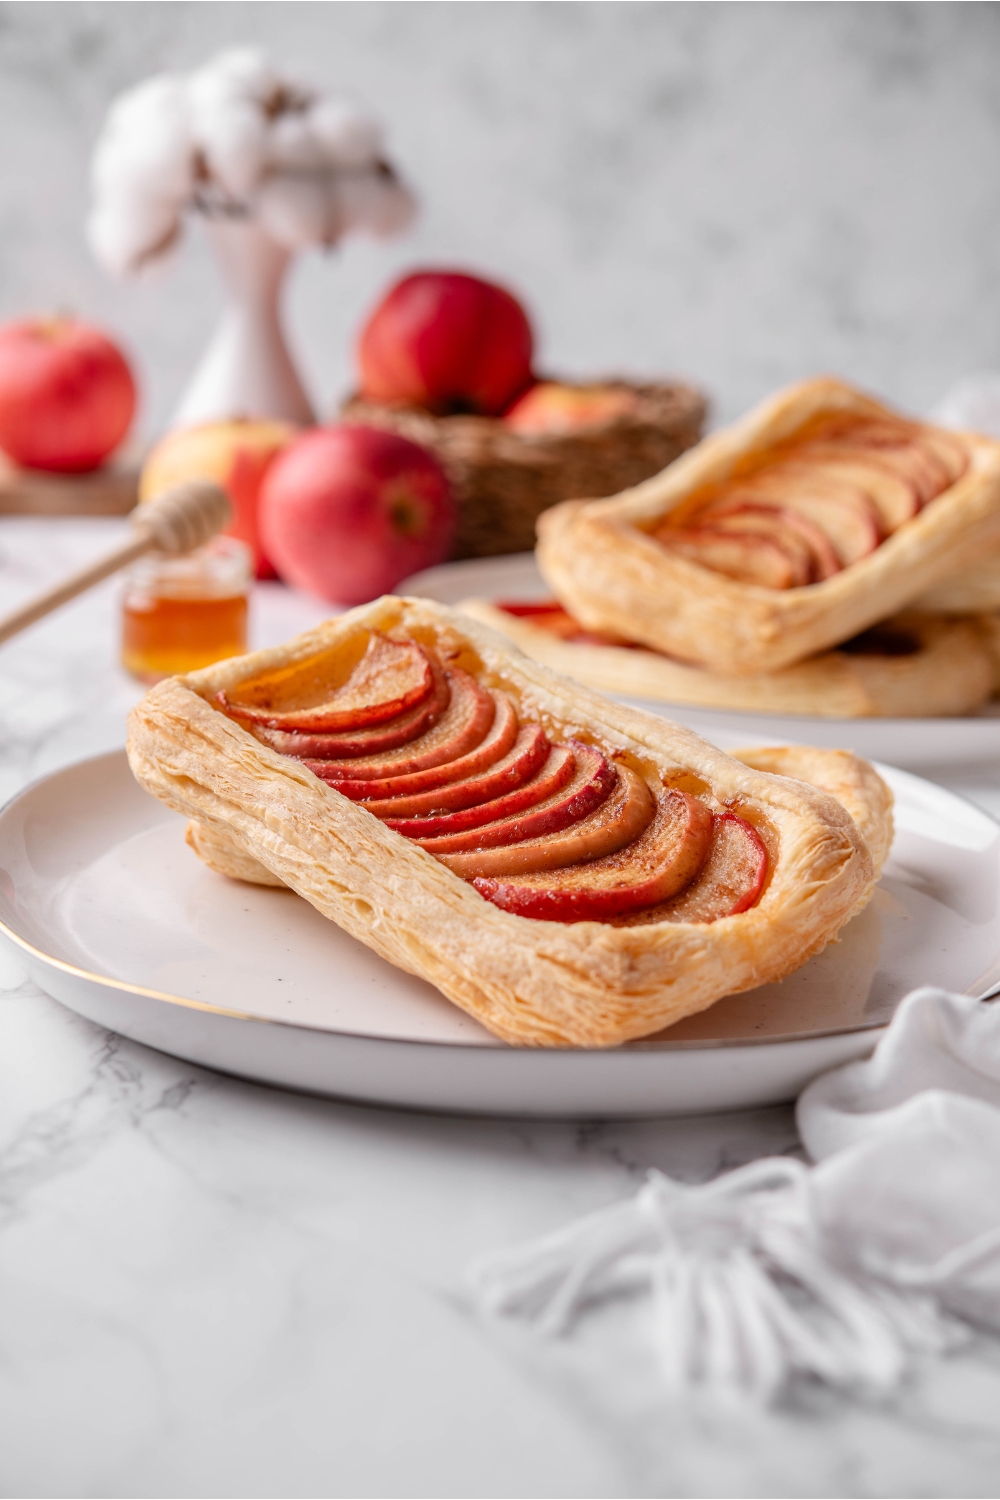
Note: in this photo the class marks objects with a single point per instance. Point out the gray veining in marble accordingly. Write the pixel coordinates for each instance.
(740, 193)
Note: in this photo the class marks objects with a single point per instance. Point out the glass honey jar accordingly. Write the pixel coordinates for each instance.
(182, 613)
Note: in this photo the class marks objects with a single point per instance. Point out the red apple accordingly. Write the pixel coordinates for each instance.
(551, 408)
(67, 395)
(235, 454)
(323, 748)
(348, 511)
(732, 877)
(448, 342)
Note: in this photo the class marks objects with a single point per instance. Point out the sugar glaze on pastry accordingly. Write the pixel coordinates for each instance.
(532, 982)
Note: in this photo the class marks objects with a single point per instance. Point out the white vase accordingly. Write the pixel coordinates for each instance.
(246, 370)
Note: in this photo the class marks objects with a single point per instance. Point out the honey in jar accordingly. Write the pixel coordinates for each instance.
(182, 613)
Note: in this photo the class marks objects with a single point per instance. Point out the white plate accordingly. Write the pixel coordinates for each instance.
(914, 743)
(114, 916)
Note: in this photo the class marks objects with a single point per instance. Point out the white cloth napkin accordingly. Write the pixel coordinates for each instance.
(846, 1271)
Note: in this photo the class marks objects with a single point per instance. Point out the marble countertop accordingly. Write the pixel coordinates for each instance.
(210, 1287)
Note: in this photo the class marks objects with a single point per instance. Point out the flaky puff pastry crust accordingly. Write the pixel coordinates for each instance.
(533, 983)
(614, 578)
(951, 673)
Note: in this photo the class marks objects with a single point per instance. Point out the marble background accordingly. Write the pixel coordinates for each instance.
(742, 194)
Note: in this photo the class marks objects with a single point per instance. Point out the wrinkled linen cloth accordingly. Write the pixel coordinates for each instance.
(887, 1248)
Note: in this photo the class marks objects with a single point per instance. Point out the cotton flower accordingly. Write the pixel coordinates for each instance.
(235, 137)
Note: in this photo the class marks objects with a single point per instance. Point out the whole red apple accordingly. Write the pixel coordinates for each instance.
(348, 511)
(446, 341)
(67, 396)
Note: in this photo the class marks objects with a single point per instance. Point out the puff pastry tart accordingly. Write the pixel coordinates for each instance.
(569, 871)
(912, 665)
(815, 516)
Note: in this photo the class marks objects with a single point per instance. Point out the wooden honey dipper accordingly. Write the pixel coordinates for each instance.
(175, 522)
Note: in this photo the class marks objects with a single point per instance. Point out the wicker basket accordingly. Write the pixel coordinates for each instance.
(504, 479)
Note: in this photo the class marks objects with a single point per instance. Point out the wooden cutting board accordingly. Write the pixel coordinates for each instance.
(111, 491)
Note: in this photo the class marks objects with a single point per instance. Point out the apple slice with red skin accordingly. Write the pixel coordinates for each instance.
(402, 730)
(770, 521)
(895, 497)
(467, 822)
(948, 449)
(654, 867)
(731, 879)
(391, 677)
(464, 726)
(493, 747)
(839, 509)
(523, 760)
(527, 813)
(621, 817)
(742, 556)
(823, 560)
(896, 443)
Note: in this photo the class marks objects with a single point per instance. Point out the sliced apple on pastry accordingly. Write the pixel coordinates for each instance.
(894, 496)
(475, 720)
(390, 677)
(399, 731)
(731, 879)
(623, 815)
(795, 534)
(662, 861)
(523, 760)
(563, 793)
(840, 510)
(745, 556)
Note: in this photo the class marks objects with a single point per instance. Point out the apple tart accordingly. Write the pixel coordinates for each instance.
(912, 665)
(811, 519)
(567, 870)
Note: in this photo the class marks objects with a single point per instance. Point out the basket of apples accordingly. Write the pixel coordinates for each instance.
(446, 360)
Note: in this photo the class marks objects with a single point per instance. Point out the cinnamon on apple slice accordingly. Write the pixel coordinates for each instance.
(541, 806)
(466, 725)
(731, 878)
(404, 729)
(651, 869)
(823, 560)
(738, 555)
(526, 756)
(622, 817)
(492, 748)
(391, 677)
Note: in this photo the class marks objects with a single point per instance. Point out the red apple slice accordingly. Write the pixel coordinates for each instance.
(528, 813)
(948, 449)
(769, 521)
(823, 559)
(895, 497)
(492, 748)
(403, 730)
(843, 512)
(897, 444)
(741, 556)
(391, 677)
(622, 817)
(526, 756)
(464, 726)
(467, 822)
(662, 861)
(731, 879)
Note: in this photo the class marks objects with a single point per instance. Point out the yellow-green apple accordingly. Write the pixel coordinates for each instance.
(235, 454)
